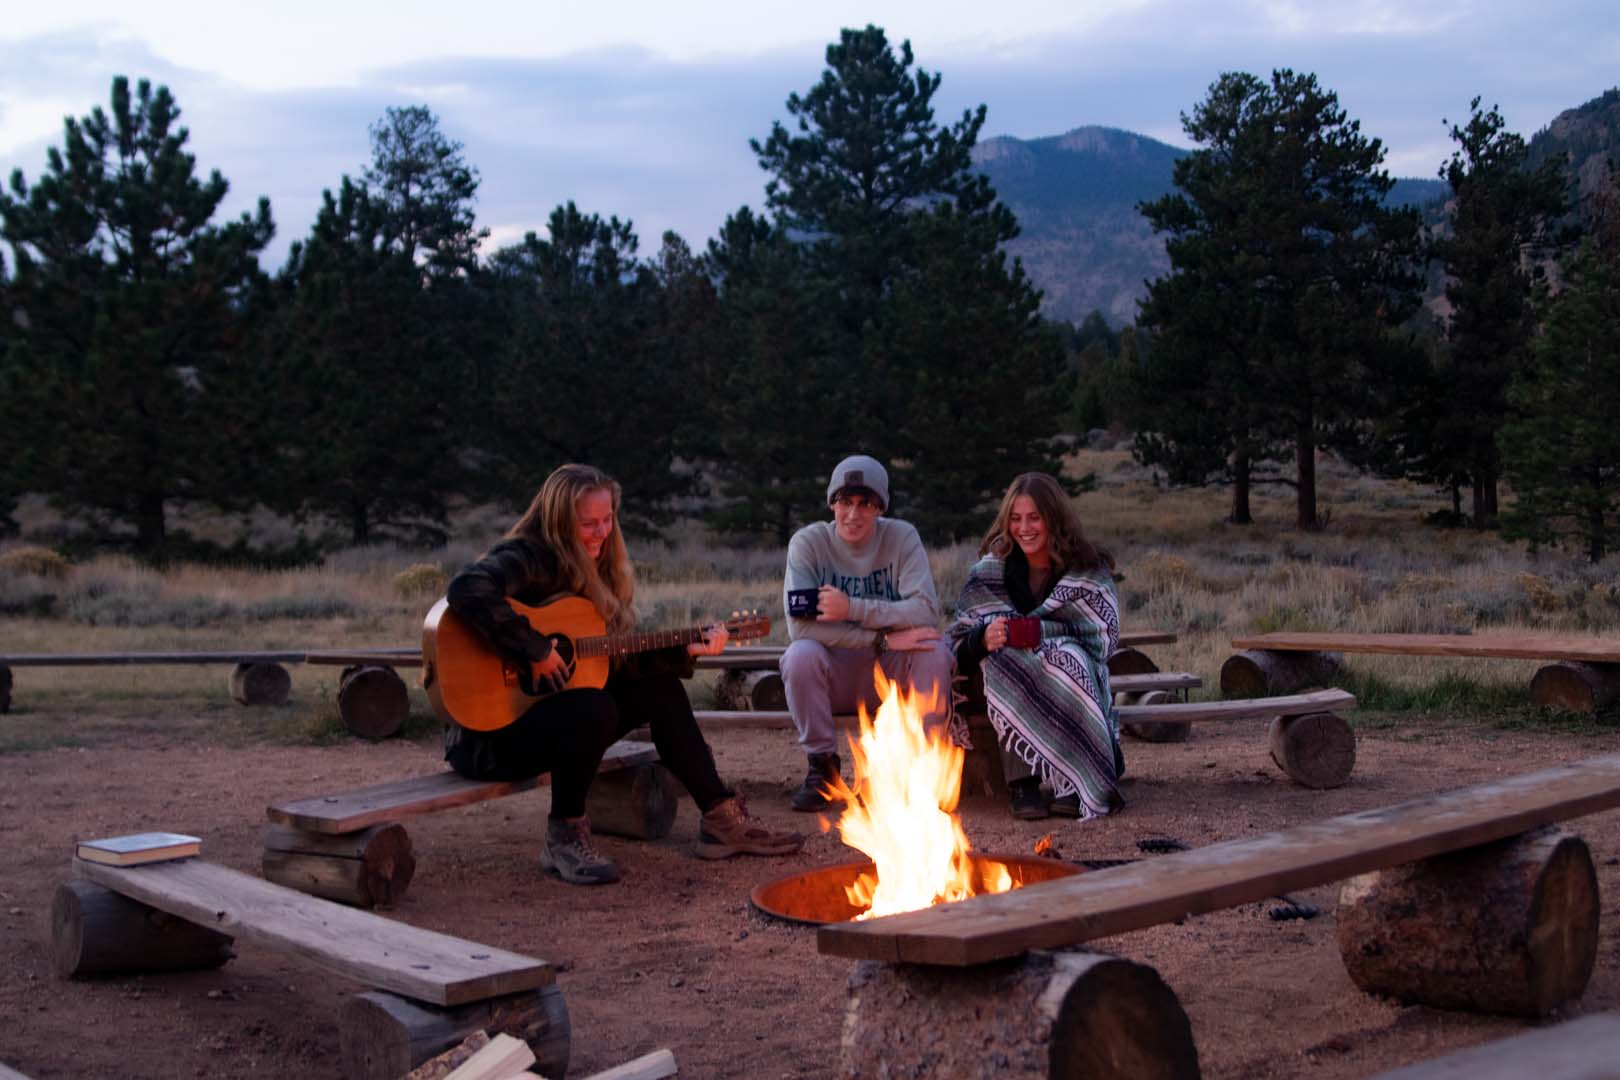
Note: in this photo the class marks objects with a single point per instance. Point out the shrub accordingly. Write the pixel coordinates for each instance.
(420, 579)
(38, 561)
(1540, 593)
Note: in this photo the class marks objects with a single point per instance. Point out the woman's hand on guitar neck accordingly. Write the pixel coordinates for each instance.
(713, 643)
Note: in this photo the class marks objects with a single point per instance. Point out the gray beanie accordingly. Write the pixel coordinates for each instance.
(859, 471)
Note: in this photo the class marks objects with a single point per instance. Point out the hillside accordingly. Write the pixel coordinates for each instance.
(1589, 134)
(1083, 243)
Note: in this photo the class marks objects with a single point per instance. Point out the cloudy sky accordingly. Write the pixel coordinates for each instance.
(644, 109)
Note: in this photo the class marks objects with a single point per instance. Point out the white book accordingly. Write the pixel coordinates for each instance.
(139, 848)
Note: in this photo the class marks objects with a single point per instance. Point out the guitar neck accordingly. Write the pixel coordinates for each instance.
(625, 644)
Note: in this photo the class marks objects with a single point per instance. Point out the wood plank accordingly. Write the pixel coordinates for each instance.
(1242, 708)
(1584, 1049)
(1499, 646)
(103, 659)
(1158, 680)
(379, 952)
(363, 657)
(350, 811)
(1120, 899)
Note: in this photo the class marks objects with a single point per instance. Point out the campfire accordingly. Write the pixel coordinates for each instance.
(901, 812)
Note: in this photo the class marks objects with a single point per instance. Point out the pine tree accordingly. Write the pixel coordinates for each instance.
(1287, 274)
(939, 337)
(1500, 235)
(1562, 452)
(128, 374)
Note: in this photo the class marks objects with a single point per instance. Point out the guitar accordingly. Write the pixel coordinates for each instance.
(470, 683)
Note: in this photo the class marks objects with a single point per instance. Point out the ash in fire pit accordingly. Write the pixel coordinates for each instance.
(822, 896)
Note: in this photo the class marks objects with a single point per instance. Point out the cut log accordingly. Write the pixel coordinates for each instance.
(5, 689)
(639, 802)
(1264, 673)
(1317, 750)
(750, 691)
(1065, 1014)
(983, 773)
(95, 931)
(502, 1058)
(373, 701)
(260, 684)
(1506, 927)
(441, 1065)
(382, 1036)
(654, 1066)
(370, 868)
(1154, 730)
(1128, 661)
(1576, 686)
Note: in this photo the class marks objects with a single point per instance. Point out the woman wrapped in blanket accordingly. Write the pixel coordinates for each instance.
(1037, 618)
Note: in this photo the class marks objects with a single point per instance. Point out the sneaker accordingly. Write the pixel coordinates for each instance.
(568, 854)
(814, 795)
(728, 829)
(1028, 804)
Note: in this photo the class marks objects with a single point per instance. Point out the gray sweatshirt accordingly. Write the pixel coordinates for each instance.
(886, 578)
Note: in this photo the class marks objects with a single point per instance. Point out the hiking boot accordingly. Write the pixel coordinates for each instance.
(568, 854)
(1028, 804)
(815, 794)
(727, 829)
(1068, 806)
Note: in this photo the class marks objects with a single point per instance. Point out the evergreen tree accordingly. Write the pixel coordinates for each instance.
(1493, 255)
(1287, 273)
(1562, 453)
(12, 446)
(127, 373)
(583, 376)
(425, 191)
(782, 398)
(372, 359)
(942, 345)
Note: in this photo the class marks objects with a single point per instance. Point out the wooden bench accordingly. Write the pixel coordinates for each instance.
(256, 678)
(429, 990)
(349, 845)
(1583, 676)
(373, 701)
(1456, 900)
(1584, 1049)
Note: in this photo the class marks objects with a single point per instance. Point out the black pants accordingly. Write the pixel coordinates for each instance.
(566, 735)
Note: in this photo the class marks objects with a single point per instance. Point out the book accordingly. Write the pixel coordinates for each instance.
(139, 848)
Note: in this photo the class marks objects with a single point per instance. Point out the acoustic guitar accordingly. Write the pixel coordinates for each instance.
(470, 683)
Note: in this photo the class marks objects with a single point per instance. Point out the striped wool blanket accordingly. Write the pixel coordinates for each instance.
(1051, 705)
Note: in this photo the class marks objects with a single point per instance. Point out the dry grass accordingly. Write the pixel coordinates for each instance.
(1374, 568)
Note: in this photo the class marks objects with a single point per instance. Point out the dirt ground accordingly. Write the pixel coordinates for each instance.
(674, 956)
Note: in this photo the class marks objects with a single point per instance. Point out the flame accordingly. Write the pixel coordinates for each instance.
(901, 811)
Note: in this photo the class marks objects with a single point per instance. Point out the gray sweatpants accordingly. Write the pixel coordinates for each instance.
(822, 683)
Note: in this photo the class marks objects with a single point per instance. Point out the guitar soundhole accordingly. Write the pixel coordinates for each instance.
(565, 649)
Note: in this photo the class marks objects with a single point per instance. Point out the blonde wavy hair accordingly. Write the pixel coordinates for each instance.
(552, 521)
(1066, 539)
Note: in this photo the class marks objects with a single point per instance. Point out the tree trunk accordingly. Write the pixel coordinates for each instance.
(1241, 468)
(1257, 673)
(382, 1036)
(373, 701)
(1506, 927)
(370, 868)
(95, 931)
(1305, 455)
(150, 530)
(1050, 1014)
(260, 684)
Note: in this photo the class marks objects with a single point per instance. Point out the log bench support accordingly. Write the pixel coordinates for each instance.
(1047, 1014)
(350, 847)
(106, 926)
(1507, 927)
(5, 689)
(373, 701)
(383, 1036)
(257, 683)
(1576, 686)
(1268, 672)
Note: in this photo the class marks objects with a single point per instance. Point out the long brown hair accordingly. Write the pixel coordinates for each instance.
(552, 521)
(1066, 539)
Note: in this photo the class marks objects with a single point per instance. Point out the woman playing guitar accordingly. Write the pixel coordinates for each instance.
(567, 542)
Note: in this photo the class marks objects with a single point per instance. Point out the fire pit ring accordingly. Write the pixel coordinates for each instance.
(817, 897)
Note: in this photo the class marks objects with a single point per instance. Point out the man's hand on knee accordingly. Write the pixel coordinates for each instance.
(913, 638)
